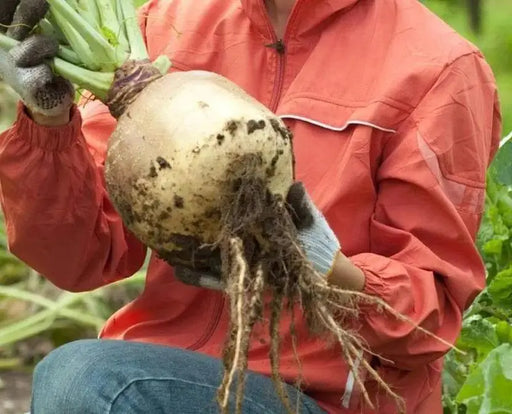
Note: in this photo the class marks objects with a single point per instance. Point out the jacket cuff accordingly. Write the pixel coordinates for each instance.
(47, 138)
(374, 284)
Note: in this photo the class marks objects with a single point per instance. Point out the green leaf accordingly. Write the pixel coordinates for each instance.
(505, 205)
(500, 228)
(455, 373)
(478, 334)
(488, 389)
(504, 331)
(493, 246)
(500, 289)
(501, 165)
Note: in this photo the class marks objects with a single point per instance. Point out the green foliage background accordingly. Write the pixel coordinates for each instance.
(35, 316)
(480, 381)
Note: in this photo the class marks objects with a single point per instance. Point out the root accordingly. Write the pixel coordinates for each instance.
(383, 306)
(261, 258)
(298, 381)
(246, 307)
(237, 312)
(277, 308)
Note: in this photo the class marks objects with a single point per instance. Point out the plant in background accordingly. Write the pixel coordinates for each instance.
(36, 317)
(480, 381)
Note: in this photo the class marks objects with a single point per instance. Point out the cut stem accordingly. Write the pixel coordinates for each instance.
(6, 42)
(69, 55)
(98, 83)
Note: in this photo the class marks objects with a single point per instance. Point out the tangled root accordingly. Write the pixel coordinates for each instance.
(261, 256)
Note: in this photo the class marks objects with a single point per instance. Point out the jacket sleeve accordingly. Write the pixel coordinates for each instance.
(431, 187)
(58, 217)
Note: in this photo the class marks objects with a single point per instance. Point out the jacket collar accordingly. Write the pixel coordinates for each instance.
(306, 15)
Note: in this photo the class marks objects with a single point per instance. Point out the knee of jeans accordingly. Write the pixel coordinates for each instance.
(69, 380)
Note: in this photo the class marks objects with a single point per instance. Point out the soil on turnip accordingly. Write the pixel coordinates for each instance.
(253, 125)
(178, 202)
(231, 127)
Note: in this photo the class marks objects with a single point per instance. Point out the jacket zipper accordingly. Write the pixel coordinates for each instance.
(214, 322)
(280, 46)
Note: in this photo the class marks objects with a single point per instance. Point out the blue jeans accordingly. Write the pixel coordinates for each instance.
(101, 376)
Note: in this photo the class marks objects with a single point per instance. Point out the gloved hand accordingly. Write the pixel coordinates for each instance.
(24, 67)
(207, 279)
(320, 244)
(207, 264)
(318, 241)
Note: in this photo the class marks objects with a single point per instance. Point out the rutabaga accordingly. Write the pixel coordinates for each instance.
(171, 155)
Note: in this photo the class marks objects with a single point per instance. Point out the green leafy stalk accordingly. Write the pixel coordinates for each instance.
(137, 46)
(98, 44)
(69, 55)
(77, 42)
(96, 38)
(98, 83)
(162, 63)
(7, 43)
(88, 10)
(120, 18)
(50, 29)
(110, 26)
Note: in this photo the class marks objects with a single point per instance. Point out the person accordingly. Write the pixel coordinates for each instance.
(395, 120)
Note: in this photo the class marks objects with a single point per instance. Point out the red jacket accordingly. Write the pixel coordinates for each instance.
(395, 120)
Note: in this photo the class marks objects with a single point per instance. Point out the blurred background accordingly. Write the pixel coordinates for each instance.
(36, 317)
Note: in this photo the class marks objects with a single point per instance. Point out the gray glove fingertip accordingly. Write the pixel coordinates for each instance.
(55, 97)
(27, 15)
(7, 9)
(34, 50)
(34, 78)
(44, 93)
(200, 279)
(299, 206)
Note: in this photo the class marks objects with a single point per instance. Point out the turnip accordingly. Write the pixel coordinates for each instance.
(197, 168)
(194, 127)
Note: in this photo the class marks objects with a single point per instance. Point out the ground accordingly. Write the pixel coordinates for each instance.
(15, 392)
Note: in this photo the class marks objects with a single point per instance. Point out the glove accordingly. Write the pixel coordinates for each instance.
(207, 279)
(24, 67)
(320, 244)
(318, 241)
(206, 264)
